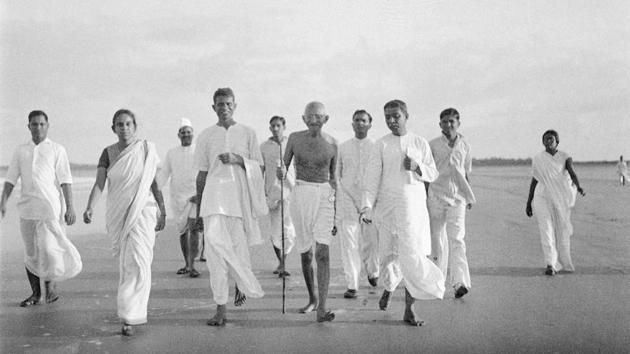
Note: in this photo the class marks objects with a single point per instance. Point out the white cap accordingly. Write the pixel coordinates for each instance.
(185, 122)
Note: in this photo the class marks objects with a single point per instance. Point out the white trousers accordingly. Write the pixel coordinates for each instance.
(555, 234)
(448, 229)
(275, 221)
(227, 253)
(136, 255)
(359, 248)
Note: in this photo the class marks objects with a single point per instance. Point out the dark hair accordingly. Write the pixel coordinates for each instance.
(362, 111)
(122, 111)
(37, 113)
(449, 112)
(397, 104)
(224, 91)
(552, 132)
(281, 119)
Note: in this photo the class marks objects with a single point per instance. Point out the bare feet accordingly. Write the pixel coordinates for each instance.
(51, 297)
(219, 318)
(127, 330)
(410, 318)
(312, 306)
(383, 303)
(239, 297)
(31, 301)
(325, 316)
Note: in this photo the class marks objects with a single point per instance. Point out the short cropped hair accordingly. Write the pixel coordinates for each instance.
(397, 104)
(122, 111)
(37, 113)
(362, 111)
(449, 112)
(552, 132)
(224, 91)
(281, 119)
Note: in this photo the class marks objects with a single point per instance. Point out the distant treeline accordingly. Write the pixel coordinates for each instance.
(499, 161)
(492, 161)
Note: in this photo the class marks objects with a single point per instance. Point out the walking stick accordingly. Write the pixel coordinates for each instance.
(282, 257)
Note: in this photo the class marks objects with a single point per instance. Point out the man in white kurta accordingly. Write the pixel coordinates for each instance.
(231, 190)
(44, 170)
(179, 166)
(449, 196)
(359, 241)
(553, 191)
(272, 151)
(395, 199)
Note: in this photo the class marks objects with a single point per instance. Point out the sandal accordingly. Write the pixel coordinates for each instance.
(183, 271)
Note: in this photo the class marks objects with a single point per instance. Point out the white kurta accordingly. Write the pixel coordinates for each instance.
(270, 151)
(622, 170)
(232, 201)
(400, 213)
(179, 166)
(131, 217)
(359, 242)
(42, 168)
(553, 200)
(448, 196)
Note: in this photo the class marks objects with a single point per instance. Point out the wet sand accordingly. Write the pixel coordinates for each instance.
(512, 306)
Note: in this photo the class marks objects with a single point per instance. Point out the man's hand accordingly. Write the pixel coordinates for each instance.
(87, 216)
(409, 164)
(199, 224)
(528, 209)
(334, 230)
(366, 216)
(193, 199)
(469, 206)
(3, 208)
(581, 191)
(232, 158)
(70, 216)
(161, 222)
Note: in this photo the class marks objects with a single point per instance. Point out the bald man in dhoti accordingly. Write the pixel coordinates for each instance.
(395, 199)
(278, 202)
(231, 189)
(42, 165)
(179, 166)
(359, 241)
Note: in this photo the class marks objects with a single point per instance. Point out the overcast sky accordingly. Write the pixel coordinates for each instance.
(512, 68)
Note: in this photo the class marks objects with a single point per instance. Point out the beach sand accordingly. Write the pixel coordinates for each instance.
(512, 306)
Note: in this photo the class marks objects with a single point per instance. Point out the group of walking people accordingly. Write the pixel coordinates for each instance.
(398, 205)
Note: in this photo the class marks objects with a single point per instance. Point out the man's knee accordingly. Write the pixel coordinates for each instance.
(321, 253)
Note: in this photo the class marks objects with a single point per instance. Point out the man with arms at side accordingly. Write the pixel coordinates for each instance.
(449, 196)
(313, 202)
(270, 151)
(43, 167)
(230, 188)
(359, 241)
(180, 168)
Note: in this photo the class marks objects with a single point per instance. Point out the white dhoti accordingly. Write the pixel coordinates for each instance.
(228, 253)
(555, 233)
(448, 228)
(48, 253)
(313, 214)
(359, 248)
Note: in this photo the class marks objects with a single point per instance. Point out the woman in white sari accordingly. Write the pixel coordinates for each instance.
(132, 215)
(553, 200)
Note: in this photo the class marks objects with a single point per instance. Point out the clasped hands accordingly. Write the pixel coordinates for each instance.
(232, 158)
